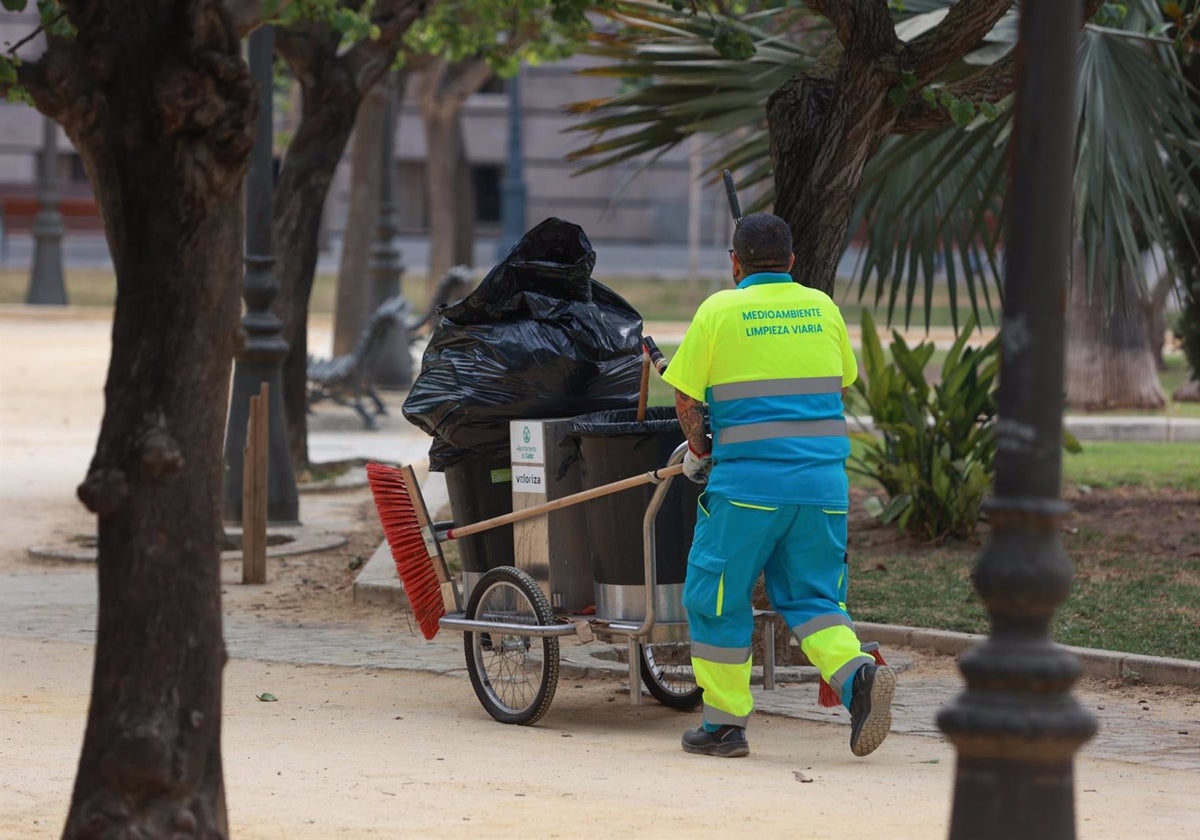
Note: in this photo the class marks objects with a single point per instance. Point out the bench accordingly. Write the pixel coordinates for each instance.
(346, 379)
(353, 373)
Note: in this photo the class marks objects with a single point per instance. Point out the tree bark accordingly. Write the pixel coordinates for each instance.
(1155, 310)
(464, 207)
(333, 82)
(353, 287)
(329, 102)
(1109, 361)
(158, 102)
(444, 89)
(823, 129)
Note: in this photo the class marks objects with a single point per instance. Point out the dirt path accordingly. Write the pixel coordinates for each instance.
(372, 754)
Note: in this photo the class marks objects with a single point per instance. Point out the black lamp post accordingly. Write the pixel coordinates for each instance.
(46, 273)
(394, 370)
(1017, 727)
(512, 188)
(260, 358)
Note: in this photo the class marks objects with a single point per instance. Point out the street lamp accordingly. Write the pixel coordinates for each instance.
(46, 273)
(1017, 727)
(260, 358)
(512, 188)
(394, 370)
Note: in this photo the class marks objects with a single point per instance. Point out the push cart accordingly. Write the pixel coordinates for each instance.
(511, 635)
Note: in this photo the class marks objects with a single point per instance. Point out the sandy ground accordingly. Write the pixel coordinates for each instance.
(366, 753)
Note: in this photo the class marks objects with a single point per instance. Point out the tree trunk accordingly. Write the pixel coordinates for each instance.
(329, 101)
(445, 87)
(1109, 361)
(823, 130)
(158, 102)
(464, 207)
(334, 82)
(353, 283)
(1155, 310)
(443, 153)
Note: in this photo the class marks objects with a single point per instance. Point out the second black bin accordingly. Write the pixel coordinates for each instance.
(480, 487)
(614, 445)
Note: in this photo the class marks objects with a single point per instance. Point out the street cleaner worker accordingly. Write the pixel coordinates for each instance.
(772, 360)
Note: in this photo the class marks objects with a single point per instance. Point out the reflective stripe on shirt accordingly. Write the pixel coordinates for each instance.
(781, 429)
(797, 386)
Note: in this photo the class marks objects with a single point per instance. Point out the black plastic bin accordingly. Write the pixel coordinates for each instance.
(480, 487)
(613, 445)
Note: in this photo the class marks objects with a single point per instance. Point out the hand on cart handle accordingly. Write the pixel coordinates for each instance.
(696, 466)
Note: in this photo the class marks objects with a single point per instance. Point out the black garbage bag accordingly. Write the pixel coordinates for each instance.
(538, 338)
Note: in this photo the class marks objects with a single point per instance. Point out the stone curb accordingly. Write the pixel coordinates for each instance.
(1106, 664)
(304, 541)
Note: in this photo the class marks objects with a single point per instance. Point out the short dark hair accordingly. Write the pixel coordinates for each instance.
(763, 240)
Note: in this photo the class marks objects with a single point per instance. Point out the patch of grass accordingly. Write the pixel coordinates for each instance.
(98, 287)
(1120, 600)
(657, 299)
(1131, 540)
(1138, 610)
(85, 287)
(1150, 465)
(930, 588)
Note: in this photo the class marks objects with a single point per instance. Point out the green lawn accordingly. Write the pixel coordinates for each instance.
(1132, 538)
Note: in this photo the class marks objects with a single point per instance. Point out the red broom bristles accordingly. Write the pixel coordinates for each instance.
(398, 513)
(827, 697)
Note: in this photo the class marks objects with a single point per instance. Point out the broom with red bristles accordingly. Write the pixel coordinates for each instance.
(417, 550)
(827, 696)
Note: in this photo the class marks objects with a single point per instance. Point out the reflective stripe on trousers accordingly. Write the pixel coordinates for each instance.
(724, 674)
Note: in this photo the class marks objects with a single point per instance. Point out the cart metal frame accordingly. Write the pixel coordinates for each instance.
(508, 592)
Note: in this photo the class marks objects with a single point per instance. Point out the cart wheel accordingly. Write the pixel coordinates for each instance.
(667, 673)
(514, 676)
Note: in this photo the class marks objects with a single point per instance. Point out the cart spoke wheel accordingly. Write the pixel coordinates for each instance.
(514, 676)
(667, 673)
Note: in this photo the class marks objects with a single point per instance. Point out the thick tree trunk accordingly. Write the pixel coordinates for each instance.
(1109, 361)
(158, 102)
(823, 130)
(354, 296)
(330, 98)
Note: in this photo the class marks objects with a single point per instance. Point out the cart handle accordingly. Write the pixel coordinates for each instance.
(652, 477)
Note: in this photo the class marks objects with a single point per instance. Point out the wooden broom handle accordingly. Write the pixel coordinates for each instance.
(565, 501)
(643, 389)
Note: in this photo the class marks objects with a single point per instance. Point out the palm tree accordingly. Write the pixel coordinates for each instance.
(890, 129)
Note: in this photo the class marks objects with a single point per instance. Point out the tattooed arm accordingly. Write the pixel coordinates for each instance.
(691, 419)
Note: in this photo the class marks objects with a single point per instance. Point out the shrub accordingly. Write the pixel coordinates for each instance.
(933, 446)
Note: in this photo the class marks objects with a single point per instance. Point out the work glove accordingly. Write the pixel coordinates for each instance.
(697, 466)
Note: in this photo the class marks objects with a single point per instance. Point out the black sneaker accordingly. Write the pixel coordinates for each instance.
(727, 742)
(871, 708)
